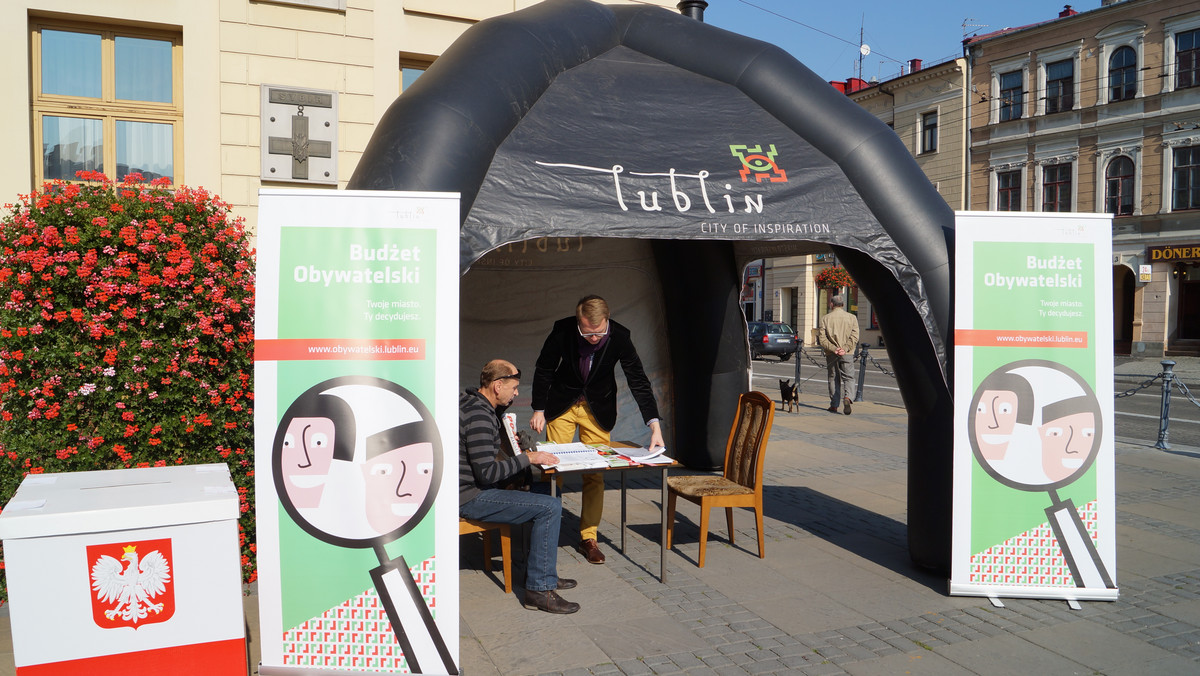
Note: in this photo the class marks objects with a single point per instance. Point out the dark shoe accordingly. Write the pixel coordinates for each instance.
(591, 551)
(846, 406)
(567, 583)
(832, 409)
(549, 601)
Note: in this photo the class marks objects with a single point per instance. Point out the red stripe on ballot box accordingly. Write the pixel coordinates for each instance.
(198, 659)
(305, 349)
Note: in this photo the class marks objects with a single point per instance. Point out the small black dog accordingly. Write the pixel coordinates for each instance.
(789, 394)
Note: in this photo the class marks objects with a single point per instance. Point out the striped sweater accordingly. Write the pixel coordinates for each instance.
(478, 445)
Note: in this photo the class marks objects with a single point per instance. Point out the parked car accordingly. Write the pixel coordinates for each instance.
(774, 338)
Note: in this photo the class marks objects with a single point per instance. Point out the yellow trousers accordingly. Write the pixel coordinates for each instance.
(561, 430)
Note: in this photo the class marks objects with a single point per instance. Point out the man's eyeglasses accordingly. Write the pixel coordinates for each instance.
(593, 335)
(514, 376)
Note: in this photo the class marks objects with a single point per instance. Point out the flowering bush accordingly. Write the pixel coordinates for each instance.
(834, 278)
(126, 334)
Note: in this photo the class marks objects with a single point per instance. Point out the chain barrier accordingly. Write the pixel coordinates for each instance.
(890, 374)
(810, 358)
(1183, 389)
(1138, 388)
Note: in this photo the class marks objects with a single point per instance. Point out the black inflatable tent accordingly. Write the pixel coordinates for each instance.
(594, 145)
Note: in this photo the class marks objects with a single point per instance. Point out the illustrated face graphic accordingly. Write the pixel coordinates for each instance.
(357, 461)
(397, 483)
(995, 419)
(1035, 425)
(305, 458)
(1067, 444)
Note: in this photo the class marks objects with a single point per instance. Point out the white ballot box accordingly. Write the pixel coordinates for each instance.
(125, 571)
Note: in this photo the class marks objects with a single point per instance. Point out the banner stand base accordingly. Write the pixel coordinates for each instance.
(269, 670)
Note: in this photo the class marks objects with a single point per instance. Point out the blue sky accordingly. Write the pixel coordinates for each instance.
(824, 35)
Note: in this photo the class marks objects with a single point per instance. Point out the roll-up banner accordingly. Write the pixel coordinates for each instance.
(1034, 512)
(356, 358)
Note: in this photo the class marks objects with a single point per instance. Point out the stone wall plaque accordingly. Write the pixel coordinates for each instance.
(299, 135)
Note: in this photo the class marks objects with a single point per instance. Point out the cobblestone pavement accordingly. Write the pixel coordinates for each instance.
(835, 499)
(837, 592)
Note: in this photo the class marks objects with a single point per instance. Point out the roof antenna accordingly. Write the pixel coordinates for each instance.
(693, 8)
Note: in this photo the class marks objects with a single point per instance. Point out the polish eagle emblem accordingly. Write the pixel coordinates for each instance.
(136, 588)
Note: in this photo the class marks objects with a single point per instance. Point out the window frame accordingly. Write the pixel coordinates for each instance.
(1060, 91)
(1129, 33)
(1047, 58)
(1058, 186)
(929, 132)
(1171, 29)
(1008, 192)
(1194, 173)
(1193, 53)
(107, 109)
(412, 61)
(1013, 109)
(1125, 184)
(1128, 74)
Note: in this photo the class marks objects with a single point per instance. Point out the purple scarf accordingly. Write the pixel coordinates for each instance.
(587, 352)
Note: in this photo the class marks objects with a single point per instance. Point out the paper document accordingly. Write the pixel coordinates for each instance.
(574, 456)
(656, 460)
(643, 454)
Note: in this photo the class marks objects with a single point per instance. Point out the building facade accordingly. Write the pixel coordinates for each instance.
(1099, 111)
(228, 95)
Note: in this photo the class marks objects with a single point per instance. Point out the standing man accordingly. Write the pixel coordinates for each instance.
(837, 333)
(479, 469)
(575, 387)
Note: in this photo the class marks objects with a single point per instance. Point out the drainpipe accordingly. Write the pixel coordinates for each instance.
(692, 8)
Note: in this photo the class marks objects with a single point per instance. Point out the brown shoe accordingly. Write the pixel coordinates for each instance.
(591, 551)
(549, 601)
(846, 406)
(832, 409)
(566, 583)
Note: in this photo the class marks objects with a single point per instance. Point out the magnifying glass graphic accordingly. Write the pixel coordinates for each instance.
(357, 461)
(1035, 426)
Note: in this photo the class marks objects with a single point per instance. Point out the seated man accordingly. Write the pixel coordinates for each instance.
(479, 470)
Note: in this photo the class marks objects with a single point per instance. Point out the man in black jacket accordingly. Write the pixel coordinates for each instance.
(575, 388)
(479, 470)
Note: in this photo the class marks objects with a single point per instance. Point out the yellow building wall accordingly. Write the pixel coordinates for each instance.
(230, 49)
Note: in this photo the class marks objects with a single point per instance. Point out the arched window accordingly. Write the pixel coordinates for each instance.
(1118, 186)
(1122, 74)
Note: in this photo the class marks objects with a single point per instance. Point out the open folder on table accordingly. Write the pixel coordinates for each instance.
(574, 456)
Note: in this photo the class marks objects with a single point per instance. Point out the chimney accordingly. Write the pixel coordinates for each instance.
(1067, 11)
(693, 8)
(914, 65)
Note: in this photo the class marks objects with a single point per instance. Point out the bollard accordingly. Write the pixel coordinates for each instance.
(863, 352)
(1164, 414)
(796, 356)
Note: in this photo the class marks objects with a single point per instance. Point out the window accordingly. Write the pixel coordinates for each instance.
(1056, 187)
(1187, 59)
(412, 65)
(1011, 96)
(1008, 191)
(1060, 86)
(1118, 186)
(929, 132)
(1186, 179)
(1122, 74)
(106, 100)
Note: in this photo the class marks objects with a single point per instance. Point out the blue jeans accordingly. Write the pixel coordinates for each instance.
(518, 507)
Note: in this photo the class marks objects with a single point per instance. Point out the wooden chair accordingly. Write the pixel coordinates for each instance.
(741, 485)
(467, 526)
